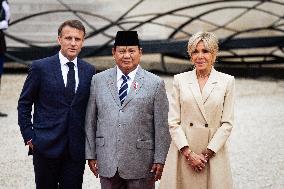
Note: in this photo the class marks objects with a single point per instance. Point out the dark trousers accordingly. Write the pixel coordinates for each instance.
(116, 182)
(60, 173)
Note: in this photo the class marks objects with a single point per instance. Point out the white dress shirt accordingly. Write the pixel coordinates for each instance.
(131, 76)
(65, 69)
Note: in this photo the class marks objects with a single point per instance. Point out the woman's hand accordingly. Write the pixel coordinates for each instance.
(197, 162)
(208, 154)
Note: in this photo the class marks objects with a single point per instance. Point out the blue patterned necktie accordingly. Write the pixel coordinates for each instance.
(123, 89)
(70, 86)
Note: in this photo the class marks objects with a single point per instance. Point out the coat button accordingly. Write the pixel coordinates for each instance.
(191, 124)
(206, 125)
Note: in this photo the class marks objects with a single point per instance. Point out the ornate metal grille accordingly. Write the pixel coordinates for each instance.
(250, 31)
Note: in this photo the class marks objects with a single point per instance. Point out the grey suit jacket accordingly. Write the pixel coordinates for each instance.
(129, 137)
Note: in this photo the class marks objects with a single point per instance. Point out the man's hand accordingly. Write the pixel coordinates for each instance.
(157, 169)
(30, 144)
(93, 166)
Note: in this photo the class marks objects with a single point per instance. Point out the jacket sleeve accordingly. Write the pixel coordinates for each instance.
(27, 98)
(91, 124)
(223, 132)
(162, 135)
(176, 131)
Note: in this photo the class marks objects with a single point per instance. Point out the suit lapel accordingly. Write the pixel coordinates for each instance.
(81, 74)
(194, 87)
(112, 85)
(135, 87)
(56, 69)
(210, 85)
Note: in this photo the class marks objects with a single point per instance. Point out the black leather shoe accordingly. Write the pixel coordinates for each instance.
(3, 114)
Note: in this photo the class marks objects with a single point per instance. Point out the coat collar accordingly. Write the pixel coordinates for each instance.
(210, 85)
(134, 88)
(81, 74)
(201, 98)
(112, 86)
(57, 71)
(56, 66)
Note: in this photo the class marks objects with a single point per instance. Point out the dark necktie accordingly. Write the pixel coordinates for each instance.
(70, 86)
(123, 89)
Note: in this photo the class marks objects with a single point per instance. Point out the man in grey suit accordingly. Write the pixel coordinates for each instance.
(127, 135)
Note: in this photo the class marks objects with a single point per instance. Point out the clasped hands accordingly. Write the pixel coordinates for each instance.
(197, 161)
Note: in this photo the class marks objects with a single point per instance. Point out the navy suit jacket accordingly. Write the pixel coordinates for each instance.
(56, 124)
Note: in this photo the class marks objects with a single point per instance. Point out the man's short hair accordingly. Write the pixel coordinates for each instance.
(73, 24)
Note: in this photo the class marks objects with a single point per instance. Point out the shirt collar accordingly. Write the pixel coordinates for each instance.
(64, 60)
(131, 75)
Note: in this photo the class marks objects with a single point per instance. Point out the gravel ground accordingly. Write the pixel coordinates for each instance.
(257, 141)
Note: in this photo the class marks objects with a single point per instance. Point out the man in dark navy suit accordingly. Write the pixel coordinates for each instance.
(57, 88)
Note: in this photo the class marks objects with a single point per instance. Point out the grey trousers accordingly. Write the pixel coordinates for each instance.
(116, 182)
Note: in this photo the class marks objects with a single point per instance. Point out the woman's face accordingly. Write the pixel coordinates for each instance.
(202, 58)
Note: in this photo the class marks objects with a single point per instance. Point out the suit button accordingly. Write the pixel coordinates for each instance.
(191, 124)
(206, 125)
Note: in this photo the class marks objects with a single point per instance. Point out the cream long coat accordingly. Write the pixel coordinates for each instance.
(200, 120)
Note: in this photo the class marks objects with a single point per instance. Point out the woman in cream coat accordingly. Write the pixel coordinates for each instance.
(200, 119)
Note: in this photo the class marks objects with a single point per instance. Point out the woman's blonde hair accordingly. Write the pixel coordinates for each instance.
(209, 39)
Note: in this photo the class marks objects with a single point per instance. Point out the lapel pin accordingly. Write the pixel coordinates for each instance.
(135, 86)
